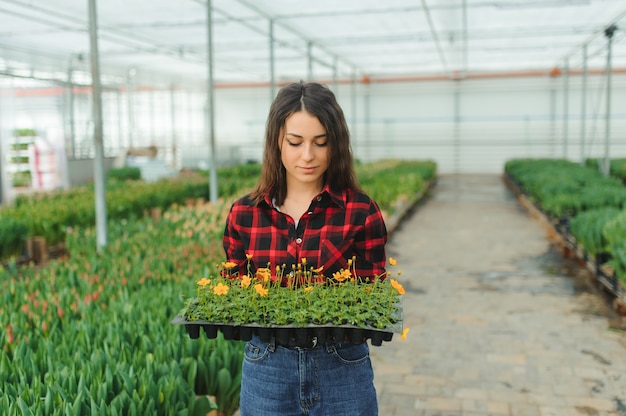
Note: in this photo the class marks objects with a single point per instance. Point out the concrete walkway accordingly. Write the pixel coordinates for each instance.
(500, 323)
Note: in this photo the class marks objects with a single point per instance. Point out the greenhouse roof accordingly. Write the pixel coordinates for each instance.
(165, 41)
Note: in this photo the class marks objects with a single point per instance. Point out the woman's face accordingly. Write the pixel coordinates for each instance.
(304, 150)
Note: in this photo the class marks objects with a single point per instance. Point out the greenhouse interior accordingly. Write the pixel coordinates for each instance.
(129, 128)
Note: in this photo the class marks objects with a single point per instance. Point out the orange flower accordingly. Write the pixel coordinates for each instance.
(342, 275)
(393, 261)
(249, 256)
(263, 274)
(245, 281)
(260, 290)
(318, 270)
(203, 282)
(229, 264)
(396, 285)
(220, 289)
(405, 332)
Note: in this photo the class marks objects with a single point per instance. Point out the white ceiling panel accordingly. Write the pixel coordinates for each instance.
(166, 40)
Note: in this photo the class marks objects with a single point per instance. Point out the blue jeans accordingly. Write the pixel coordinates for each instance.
(331, 379)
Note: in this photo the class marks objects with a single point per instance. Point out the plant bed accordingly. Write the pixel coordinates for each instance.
(583, 236)
(295, 309)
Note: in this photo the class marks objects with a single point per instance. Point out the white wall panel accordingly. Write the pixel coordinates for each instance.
(472, 125)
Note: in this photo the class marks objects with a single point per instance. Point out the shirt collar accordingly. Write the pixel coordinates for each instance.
(338, 197)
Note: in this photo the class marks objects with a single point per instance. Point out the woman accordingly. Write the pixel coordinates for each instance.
(307, 207)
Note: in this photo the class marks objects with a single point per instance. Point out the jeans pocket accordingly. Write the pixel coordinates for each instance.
(351, 354)
(256, 351)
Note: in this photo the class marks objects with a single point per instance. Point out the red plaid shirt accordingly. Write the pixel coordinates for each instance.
(337, 226)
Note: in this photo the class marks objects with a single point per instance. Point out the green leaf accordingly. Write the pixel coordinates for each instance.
(202, 406)
(24, 407)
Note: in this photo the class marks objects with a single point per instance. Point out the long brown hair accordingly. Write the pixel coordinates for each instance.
(319, 101)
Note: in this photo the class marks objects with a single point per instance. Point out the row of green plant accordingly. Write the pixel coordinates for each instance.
(90, 333)
(617, 167)
(124, 199)
(20, 146)
(406, 177)
(25, 132)
(593, 206)
(563, 188)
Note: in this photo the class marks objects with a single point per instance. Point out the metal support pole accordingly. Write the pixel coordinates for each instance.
(173, 121)
(70, 104)
(565, 107)
(583, 110)
(272, 63)
(552, 118)
(152, 118)
(96, 93)
(465, 42)
(120, 116)
(457, 128)
(211, 105)
(130, 96)
(309, 52)
(606, 168)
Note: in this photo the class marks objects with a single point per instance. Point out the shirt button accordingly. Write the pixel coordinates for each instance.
(319, 198)
(299, 240)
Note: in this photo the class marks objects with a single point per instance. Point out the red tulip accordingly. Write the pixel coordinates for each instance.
(10, 338)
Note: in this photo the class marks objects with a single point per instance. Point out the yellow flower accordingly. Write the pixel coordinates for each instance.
(245, 281)
(309, 288)
(220, 289)
(396, 285)
(349, 262)
(400, 272)
(229, 264)
(303, 260)
(203, 282)
(263, 273)
(260, 290)
(405, 332)
(318, 270)
(393, 261)
(249, 256)
(342, 275)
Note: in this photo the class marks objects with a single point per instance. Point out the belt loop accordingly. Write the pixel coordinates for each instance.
(272, 344)
(330, 345)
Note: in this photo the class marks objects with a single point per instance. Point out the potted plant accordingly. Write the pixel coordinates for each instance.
(309, 305)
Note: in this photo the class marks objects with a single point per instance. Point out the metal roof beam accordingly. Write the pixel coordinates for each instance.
(435, 36)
